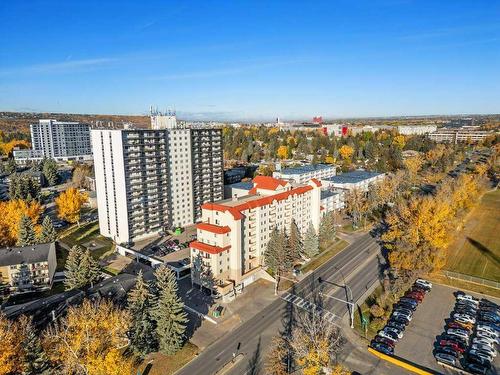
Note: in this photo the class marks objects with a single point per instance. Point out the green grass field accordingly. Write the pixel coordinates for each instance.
(334, 248)
(476, 249)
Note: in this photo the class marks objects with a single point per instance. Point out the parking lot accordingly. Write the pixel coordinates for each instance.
(427, 324)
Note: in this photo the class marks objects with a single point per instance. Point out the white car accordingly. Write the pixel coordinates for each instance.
(459, 333)
(468, 297)
(487, 336)
(483, 341)
(425, 283)
(488, 329)
(395, 331)
(484, 348)
(400, 314)
(464, 318)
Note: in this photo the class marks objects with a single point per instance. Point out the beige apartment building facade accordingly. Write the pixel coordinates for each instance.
(233, 234)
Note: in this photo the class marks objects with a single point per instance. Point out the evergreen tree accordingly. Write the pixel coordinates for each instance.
(81, 268)
(168, 312)
(142, 331)
(327, 228)
(26, 234)
(34, 360)
(48, 233)
(311, 242)
(277, 256)
(294, 241)
(72, 277)
(89, 269)
(49, 170)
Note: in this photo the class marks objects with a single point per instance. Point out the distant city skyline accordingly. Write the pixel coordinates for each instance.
(252, 61)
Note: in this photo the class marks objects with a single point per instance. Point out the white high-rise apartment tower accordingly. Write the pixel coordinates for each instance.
(149, 180)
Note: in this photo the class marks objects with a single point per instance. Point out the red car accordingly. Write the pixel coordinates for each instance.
(414, 296)
(385, 341)
(452, 344)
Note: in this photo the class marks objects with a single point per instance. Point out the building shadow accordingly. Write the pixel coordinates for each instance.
(495, 259)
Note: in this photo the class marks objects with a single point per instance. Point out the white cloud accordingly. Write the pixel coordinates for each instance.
(59, 67)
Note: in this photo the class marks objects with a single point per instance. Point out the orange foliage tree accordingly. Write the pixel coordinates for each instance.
(7, 148)
(10, 347)
(283, 152)
(346, 152)
(12, 211)
(69, 204)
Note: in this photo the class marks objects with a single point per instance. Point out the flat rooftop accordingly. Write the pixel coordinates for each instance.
(353, 177)
(245, 185)
(306, 168)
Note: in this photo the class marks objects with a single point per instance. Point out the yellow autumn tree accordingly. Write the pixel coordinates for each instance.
(69, 204)
(11, 213)
(340, 370)
(8, 147)
(399, 141)
(346, 152)
(90, 340)
(10, 347)
(413, 166)
(283, 152)
(481, 169)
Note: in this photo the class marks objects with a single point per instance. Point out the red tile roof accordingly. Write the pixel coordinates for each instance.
(316, 182)
(213, 228)
(265, 200)
(267, 182)
(207, 248)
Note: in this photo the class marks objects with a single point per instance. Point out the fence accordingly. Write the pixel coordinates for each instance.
(472, 279)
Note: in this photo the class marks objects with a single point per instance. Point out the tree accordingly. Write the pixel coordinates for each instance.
(283, 152)
(49, 170)
(399, 141)
(327, 227)
(48, 232)
(311, 242)
(80, 174)
(89, 340)
(11, 346)
(413, 166)
(356, 206)
(142, 331)
(277, 257)
(168, 312)
(315, 342)
(69, 204)
(34, 358)
(275, 363)
(295, 241)
(81, 268)
(346, 152)
(23, 187)
(26, 235)
(11, 213)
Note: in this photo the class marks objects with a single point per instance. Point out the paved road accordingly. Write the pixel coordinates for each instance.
(358, 264)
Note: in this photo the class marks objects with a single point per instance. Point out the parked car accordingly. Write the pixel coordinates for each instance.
(400, 319)
(404, 311)
(388, 335)
(452, 344)
(409, 301)
(445, 358)
(467, 297)
(483, 341)
(485, 302)
(384, 340)
(424, 283)
(382, 348)
(456, 325)
(400, 326)
(415, 296)
(484, 348)
(485, 328)
(464, 324)
(458, 332)
(406, 305)
(475, 359)
(395, 331)
(464, 318)
(448, 350)
(481, 354)
(457, 340)
(398, 314)
(476, 368)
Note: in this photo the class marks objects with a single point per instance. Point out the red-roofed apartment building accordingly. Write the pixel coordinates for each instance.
(233, 234)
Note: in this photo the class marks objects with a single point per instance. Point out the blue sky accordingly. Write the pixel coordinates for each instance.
(251, 59)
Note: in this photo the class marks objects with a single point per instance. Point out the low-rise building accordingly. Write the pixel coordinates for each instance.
(29, 268)
(455, 135)
(360, 180)
(331, 201)
(304, 173)
(416, 129)
(233, 234)
(238, 189)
